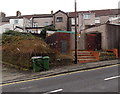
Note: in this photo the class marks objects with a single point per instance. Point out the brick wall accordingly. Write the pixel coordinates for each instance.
(55, 41)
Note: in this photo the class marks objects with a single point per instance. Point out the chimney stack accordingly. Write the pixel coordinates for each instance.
(51, 11)
(2, 14)
(18, 13)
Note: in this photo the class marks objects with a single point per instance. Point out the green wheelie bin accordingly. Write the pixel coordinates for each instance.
(46, 62)
(37, 63)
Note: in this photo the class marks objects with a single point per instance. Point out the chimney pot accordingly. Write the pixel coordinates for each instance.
(18, 13)
(51, 11)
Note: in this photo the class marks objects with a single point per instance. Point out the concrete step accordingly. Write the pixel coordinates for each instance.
(86, 60)
(83, 51)
(86, 57)
(84, 54)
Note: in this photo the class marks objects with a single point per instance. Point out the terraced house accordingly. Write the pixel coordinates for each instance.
(99, 30)
(92, 25)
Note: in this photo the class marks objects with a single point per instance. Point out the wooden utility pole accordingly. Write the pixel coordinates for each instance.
(76, 60)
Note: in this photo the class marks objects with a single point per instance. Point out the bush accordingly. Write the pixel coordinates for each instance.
(14, 36)
(18, 48)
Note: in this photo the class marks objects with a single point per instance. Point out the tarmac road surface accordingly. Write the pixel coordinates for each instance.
(94, 80)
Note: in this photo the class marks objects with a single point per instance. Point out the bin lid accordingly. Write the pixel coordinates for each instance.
(46, 57)
(36, 57)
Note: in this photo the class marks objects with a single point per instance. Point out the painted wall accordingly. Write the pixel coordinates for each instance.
(5, 27)
(43, 21)
(61, 25)
(104, 19)
(20, 22)
(83, 22)
(23, 22)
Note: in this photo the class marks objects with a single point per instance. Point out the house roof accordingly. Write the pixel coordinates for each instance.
(60, 11)
(5, 19)
(98, 13)
(30, 16)
(42, 15)
(106, 12)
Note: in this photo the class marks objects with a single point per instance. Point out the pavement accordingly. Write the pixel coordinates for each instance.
(13, 75)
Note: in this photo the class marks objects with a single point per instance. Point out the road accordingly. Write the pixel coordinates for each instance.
(93, 80)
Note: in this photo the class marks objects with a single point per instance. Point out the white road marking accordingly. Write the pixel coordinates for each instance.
(54, 91)
(110, 78)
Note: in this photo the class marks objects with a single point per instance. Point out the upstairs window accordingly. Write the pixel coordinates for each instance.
(35, 24)
(46, 23)
(16, 21)
(86, 16)
(97, 19)
(59, 19)
(73, 21)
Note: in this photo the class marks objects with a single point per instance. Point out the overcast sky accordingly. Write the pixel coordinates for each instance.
(45, 6)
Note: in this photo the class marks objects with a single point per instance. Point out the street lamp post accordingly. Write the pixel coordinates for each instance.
(76, 61)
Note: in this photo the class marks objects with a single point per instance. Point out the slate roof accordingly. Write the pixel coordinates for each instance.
(30, 16)
(98, 13)
(5, 19)
(71, 14)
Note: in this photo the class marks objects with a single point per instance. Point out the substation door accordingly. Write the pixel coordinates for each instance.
(93, 41)
(64, 46)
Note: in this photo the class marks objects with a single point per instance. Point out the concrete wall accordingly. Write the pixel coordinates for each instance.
(101, 29)
(113, 36)
(80, 42)
(109, 36)
(61, 25)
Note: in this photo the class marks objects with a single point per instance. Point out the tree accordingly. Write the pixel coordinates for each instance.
(47, 28)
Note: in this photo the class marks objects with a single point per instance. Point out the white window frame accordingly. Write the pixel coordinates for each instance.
(87, 16)
(97, 19)
(73, 21)
(16, 21)
(35, 24)
(46, 23)
(58, 20)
